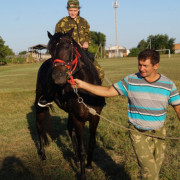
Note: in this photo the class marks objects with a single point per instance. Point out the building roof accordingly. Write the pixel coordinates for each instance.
(176, 46)
(38, 47)
(115, 47)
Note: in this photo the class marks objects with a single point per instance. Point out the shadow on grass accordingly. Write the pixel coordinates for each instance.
(101, 158)
(31, 118)
(13, 168)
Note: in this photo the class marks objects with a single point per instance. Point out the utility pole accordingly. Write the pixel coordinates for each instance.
(116, 5)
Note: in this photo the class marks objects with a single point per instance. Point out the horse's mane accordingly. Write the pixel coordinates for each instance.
(85, 59)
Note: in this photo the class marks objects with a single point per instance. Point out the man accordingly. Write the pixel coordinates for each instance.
(149, 94)
(74, 20)
(80, 34)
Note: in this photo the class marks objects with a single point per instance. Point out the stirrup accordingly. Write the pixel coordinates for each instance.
(44, 102)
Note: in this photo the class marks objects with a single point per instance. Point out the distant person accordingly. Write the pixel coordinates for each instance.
(149, 94)
(80, 34)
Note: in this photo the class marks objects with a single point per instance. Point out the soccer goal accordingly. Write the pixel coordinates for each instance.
(169, 52)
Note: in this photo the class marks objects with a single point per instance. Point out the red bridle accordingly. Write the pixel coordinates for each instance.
(74, 64)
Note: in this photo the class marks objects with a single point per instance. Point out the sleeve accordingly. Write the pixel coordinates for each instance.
(174, 96)
(87, 32)
(122, 87)
(60, 26)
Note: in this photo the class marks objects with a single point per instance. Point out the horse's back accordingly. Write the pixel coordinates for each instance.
(44, 70)
(42, 78)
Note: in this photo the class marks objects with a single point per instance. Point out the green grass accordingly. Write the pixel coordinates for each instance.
(113, 157)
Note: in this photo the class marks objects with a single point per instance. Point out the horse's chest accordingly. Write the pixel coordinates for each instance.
(80, 111)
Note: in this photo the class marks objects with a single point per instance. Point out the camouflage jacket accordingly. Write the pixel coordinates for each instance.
(81, 28)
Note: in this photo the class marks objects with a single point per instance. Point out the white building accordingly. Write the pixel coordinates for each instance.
(114, 51)
(177, 48)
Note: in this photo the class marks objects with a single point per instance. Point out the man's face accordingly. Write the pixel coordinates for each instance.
(73, 12)
(146, 69)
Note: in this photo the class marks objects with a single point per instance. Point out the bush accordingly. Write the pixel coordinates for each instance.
(18, 60)
(134, 52)
(21, 60)
(4, 61)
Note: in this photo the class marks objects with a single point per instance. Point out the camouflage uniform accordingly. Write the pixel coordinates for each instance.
(81, 28)
(149, 151)
(80, 34)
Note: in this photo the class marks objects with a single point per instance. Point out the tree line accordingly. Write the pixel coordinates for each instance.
(4, 50)
(156, 42)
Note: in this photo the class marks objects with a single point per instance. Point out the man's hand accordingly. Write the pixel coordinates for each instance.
(177, 109)
(85, 45)
(78, 83)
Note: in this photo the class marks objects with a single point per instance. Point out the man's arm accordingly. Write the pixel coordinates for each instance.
(97, 90)
(177, 109)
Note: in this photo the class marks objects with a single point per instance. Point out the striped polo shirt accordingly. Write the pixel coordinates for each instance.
(147, 102)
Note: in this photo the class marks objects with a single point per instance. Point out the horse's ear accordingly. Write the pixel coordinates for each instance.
(70, 32)
(49, 35)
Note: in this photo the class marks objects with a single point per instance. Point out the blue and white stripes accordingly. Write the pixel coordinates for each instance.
(148, 101)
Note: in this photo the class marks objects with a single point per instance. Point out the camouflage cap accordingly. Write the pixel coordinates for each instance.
(73, 4)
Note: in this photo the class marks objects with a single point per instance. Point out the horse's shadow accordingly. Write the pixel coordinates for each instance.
(31, 117)
(13, 168)
(111, 169)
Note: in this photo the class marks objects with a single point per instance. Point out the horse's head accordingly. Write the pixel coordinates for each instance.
(63, 55)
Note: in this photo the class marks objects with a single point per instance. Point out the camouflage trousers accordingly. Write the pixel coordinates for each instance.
(149, 151)
(96, 64)
(99, 70)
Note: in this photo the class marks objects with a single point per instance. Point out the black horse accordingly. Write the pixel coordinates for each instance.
(69, 61)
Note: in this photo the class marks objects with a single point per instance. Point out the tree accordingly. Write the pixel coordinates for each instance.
(134, 52)
(160, 41)
(4, 50)
(156, 42)
(22, 52)
(142, 45)
(97, 38)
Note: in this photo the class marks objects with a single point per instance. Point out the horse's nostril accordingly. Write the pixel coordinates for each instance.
(58, 64)
(60, 74)
(57, 74)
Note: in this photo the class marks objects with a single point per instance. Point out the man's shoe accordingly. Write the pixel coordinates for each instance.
(44, 102)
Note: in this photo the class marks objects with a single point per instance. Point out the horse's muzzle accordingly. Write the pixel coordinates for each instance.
(59, 75)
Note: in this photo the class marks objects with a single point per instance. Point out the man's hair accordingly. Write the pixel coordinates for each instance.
(149, 54)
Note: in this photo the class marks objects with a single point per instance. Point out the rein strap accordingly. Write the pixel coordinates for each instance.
(74, 63)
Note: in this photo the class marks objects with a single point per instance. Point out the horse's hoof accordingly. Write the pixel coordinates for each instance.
(89, 168)
(83, 177)
(76, 162)
(43, 156)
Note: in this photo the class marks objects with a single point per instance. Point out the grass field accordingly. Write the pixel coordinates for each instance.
(114, 158)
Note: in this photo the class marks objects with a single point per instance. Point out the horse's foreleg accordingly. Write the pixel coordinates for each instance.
(81, 152)
(41, 115)
(41, 148)
(92, 141)
(79, 127)
(72, 134)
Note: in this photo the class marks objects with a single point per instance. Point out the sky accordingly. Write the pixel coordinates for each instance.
(24, 23)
